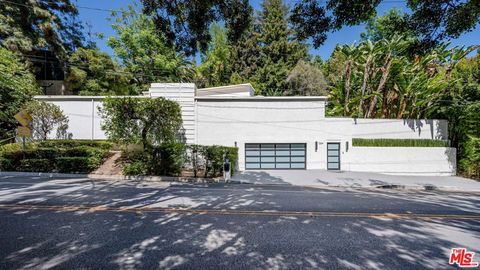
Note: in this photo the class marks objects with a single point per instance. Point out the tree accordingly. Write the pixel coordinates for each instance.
(432, 21)
(306, 80)
(40, 24)
(186, 23)
(280, 51)
(150, 121)
(145, 52)
(17, 86)
(246, 56)
(95, 73)
(46, 118)
(378, 80)
(215, 67)
(461, 107)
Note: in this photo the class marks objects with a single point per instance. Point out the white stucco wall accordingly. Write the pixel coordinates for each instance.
(263, 120)
(401, 160)
(84, 121)
(389, 128)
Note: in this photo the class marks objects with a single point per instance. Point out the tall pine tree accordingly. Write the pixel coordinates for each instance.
(266, 54)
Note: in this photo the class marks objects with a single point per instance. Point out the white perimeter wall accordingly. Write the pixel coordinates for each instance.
(84, 121)
(224, 122)
(401, 160)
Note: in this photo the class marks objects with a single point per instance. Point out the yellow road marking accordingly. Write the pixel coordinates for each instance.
(139, 210)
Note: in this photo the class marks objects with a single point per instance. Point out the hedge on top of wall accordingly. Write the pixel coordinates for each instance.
(399, 143)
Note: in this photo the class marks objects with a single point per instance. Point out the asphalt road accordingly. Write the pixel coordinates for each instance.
(82, 224)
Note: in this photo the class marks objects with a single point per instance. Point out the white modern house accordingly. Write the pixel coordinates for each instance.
(289, 133)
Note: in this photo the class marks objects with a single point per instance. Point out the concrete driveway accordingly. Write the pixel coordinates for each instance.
(322, 178)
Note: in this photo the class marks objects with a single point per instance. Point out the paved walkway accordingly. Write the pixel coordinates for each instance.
(323, 178)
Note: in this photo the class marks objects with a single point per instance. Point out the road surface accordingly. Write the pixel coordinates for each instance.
(84, 224)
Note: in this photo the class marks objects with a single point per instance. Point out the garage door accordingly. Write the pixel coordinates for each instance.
(275, 156)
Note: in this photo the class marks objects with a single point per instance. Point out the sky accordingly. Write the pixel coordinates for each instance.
(97, 19)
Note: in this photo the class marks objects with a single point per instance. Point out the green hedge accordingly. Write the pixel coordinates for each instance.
(76, 143)
(399, 142)
(66, 156)
(171, 158)
(76, 164)
(469, 165)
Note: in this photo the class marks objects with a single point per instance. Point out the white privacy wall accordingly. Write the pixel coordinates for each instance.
(434, 161)
(84, 121)
(263, 120)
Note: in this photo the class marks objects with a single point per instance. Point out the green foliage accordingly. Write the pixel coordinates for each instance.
(46, 118)
(28, 25)
(150, 121)
(35, 165)
(469, 164)
(398, 143)
(171, 159)
(96, 73)
(165, 159)
(17, 86)
(461, 107)
(76, 164)
(145, 52)
(186, 23)
(215, 67)
(379, 80)
(306, 80)
(432, 21)
(49, 156)
(267, 55)
(105, 145)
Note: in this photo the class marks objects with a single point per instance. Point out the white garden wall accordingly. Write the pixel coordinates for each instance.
(401, 160)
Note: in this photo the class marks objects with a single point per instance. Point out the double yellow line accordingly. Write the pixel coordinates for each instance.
(146, 209)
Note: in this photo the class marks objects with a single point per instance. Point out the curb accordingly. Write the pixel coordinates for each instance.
(173, 179)
(108, 177)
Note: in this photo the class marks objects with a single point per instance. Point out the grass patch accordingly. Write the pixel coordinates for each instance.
(399, 142)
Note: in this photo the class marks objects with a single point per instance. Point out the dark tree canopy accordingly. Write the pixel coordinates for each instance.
(433, 21)
(41, 24)
(186, 23)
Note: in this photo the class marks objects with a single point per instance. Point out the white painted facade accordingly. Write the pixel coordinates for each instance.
(233, 116)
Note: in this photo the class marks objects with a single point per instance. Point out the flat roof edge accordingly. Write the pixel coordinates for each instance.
(261, 98)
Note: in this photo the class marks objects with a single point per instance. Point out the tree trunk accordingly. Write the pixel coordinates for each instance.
(383, 81)
(371, 108)
(348, 70)
(366, 72)
(412, 110)
(402, 106)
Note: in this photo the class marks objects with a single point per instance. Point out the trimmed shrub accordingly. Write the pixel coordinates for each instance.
(75, 164)
(171, 158)
(211, 159)
(5, 164)
(168, 159)
(36, 165)
(75, 143)
(67, 156)
(135, 168)
(399, 142)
